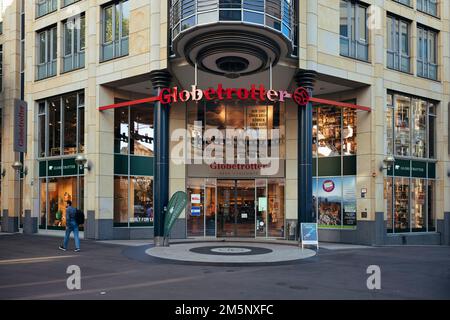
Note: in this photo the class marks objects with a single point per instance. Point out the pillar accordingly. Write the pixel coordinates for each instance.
(161, 79)
(306, 79)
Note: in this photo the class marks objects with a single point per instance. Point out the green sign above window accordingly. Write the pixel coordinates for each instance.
(418, 169)
(412, 168)
(58, 168)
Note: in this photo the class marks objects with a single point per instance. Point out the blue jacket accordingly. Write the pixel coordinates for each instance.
(70, 214)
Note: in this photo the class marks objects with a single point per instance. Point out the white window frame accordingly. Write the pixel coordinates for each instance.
(395, 48)
(118, 50)
(427, 65)
(51, 53)
(77, 57)
(355, 41)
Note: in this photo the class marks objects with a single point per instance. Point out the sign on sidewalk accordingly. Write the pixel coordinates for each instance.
(309, 234)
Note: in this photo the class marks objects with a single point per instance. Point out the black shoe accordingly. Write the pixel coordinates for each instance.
(77, 250)
(62, 248)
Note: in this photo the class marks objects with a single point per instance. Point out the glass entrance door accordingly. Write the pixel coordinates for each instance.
(236, 208)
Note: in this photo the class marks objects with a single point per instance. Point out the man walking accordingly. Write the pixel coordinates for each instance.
(71, 225)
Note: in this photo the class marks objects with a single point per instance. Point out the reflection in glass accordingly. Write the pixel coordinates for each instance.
(389, 201)
(120, 201)
(402, 125)
(141, 130)
(195, 209)
(349, 132)
(141, 197)
(121, 132)
(43, 203)
(210, 208)
(418, 205)
(329, 132)
(54, 127)
(42, 129)
(419, 128)
(276, 208)
(431, 195)
(70, 124)
(261, 208)
(401, 205)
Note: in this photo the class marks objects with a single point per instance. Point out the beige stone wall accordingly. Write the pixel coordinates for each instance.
(319, 50)
(145, 34)
(11, 90)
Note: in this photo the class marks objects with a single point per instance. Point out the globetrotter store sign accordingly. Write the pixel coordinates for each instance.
(257, 93)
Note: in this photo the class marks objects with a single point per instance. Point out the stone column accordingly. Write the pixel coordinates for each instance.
(306, 79)
(161, 79)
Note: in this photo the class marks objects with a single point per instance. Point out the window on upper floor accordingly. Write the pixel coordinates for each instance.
(46, 53)
(405, 2)
(398, 51)
(428, 6)
(427, 53)
(74, 43)
(44, 7)
(353, 30)
(65, 3)
(115, 30)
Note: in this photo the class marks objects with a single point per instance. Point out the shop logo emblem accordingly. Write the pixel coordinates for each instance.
(301, 96)
(328, 186)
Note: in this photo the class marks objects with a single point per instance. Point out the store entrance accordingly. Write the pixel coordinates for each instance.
(236, 208)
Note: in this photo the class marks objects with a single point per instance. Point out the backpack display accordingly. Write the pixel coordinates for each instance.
(79, 217)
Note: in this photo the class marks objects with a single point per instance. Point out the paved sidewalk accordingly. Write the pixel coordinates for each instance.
(32, 267)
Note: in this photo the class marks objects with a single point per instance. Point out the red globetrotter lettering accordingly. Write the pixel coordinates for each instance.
(301, 96)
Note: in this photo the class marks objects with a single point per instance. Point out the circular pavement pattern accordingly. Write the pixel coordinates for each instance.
(231, 253)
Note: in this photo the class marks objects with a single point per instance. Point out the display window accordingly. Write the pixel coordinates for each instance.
(61, 125)
(238, 114)
(410, 204)
(134, 130)
(54, 194)
(133, 201)
(334, 200)
(410, 126)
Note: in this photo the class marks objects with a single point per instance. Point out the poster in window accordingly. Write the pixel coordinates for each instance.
(329, 200)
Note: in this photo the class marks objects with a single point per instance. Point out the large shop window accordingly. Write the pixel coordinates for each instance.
(237, 115)
(410, 204)
(334, 166)
(133, 166)
(410, 126)
(133, 201)
(54, 194)
(61, 125)
(115, 30)
(409, 188)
